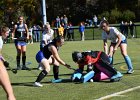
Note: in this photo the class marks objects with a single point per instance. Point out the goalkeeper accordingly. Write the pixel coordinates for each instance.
(97, 61)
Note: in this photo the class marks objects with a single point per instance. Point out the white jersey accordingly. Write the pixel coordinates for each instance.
(1, 42)
(47, 36)
(31, 31)
(112, 35)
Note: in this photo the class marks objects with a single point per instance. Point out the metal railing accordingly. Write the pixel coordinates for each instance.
(91, 32)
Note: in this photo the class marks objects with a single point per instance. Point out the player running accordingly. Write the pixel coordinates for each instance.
(49, 57)
(117, 40)
(98, 62)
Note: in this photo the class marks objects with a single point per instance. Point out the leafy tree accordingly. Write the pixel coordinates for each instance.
(115, 16)
(104, 14)
(128, 15)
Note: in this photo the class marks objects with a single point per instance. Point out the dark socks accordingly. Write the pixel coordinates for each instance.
(23, 60)
(41, 75)
(18, 61)
(55, 71)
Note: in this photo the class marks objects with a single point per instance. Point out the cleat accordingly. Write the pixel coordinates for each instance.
(130, 71)
(38, 84)
(40, 67)
(56, 80)
(116, 77)
(18, 68)
(25, 68)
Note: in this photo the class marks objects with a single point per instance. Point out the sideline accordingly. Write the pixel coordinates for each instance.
(123, 67)
(118, 93)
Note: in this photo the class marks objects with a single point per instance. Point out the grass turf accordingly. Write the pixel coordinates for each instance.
(22, 82)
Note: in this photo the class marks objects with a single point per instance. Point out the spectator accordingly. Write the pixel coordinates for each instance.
(61, 20)
(82, 30)
(131, 27)
(104, 18)
(30, 35)
(38, 33)
(65, 25)
(60, 30)
(122, 27)
(35, 33)
(70, 32)
(95, 20)
(126, 29)
(65, 20)
(90, 22)
(57, 21)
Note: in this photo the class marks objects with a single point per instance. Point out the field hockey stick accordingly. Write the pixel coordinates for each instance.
(72, 69)
(14, 38)
(13, 70)
(17, 38)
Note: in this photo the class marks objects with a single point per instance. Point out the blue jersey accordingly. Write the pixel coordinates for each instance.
(20, 32)
(81, 28)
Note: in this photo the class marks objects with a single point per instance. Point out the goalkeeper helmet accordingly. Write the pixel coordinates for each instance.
(76, 56)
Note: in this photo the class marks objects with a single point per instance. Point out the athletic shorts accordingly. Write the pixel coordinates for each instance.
(39, 56)
(124, 41)
(1, 58)
(21, 43)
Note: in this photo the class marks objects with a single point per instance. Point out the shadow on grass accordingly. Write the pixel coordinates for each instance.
(30, 84)
(118, 63)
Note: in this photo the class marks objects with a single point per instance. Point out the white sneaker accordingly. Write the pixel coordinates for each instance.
(38, 84)
(40, 67)
(130, 71)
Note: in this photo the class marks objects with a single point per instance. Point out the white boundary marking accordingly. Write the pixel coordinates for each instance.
(118, 93)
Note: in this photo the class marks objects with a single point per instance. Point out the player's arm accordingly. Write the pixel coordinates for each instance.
(13, 33)
(105, 46)
(56, 56)
(27, 31)
(52, 37)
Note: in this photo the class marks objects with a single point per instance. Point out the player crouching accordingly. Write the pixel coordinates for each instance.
(98, 67)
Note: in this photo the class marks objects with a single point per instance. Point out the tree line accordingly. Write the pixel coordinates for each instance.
(76, 10)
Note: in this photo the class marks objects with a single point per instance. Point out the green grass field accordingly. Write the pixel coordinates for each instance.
(22, 82)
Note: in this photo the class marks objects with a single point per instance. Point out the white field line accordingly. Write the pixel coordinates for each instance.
(118, 93)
